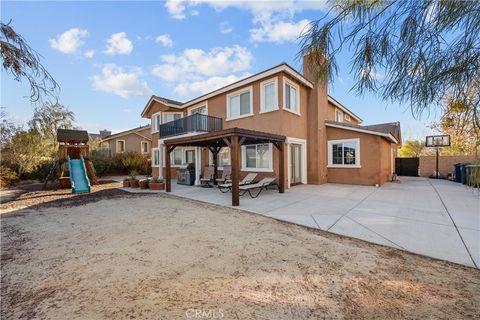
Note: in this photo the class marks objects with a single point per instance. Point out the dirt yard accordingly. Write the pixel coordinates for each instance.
(118, 256)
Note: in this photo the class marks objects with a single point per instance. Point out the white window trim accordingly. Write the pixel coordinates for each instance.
(203, 104)
(169, 113)
(171, 162)
(210, 159)
(153, 129)
(184, 154)
(124, 146)
(141, 147)
(244, 159)
(275, 95)
(346, 117)
(297, 87)
(153, 157)
(357, 164)
(303, 143)
(340, 112)
(238, 92)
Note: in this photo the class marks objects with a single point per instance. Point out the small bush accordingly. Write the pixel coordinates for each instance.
(8, 177)
(133, 161)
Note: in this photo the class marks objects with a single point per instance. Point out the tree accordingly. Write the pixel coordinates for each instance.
(49, 118)
(19, 59)
(425, 48)
(7, 130)
(458, 121)
(412, 149)
(26, 151)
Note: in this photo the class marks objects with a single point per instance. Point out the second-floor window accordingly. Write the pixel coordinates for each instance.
(201, 110)
(338, 115)
(239, 104)
(155, 122)
(269, 97)
(167, 117)
(291, 97)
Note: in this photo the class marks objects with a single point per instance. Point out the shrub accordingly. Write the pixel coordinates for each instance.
(156, 180)
(105, 166)
(8, 177)
(133, 161)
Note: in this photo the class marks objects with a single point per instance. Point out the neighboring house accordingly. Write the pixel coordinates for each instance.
(324, 140)
(99, 136)
(134, 140)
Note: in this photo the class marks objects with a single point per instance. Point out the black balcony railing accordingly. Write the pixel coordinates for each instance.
(193, 123)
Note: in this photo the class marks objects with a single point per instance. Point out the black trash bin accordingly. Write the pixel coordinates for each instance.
(458, 172)
(464, 172)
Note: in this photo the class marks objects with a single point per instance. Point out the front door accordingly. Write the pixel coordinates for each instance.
(295, 164)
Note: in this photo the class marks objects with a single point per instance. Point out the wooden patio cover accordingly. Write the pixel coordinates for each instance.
(233, 138)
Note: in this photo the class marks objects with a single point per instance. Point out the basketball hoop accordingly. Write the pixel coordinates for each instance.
(437, 142)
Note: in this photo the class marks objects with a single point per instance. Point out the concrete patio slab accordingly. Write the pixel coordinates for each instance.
(436, 218)
(430, 239)
(351, 228)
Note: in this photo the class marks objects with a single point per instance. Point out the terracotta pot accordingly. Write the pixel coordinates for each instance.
(156, 185)
(65, 182)
(126, 183)
(134, 183)
(143, 184)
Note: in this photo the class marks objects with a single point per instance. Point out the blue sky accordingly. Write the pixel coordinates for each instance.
(108, 57)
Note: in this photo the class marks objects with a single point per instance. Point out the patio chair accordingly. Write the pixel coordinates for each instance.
(206, 181)
(226, 173)
(227, 186)
(257, 187)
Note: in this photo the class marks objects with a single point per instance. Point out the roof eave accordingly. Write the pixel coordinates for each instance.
(387, 136)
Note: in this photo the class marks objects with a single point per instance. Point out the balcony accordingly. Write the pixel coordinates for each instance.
(193, 123)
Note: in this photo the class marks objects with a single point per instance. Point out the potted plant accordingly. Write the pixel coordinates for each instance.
(144, 183)
(126, 182)
(156, 184)
(133, 180)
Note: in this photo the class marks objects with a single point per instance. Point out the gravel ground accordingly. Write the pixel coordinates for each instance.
(112, 255)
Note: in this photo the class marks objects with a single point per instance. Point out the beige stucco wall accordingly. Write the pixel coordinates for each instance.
(132, 143)
(375, 159)
(445, 164)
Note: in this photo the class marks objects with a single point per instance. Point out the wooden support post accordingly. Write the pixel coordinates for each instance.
(235, 161)
(168, 176)
(281, 167)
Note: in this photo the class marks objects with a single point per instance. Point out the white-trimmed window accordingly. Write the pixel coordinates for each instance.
(268, 95)
(120, 146)
(223, 157)
(144, 146)
(202, 109)
(176, 157)
(257, 157)
(155, 157)
(291, 97)
(155, 122)
(239, 104)
(338, 115)
(171, 116)
(344, 153)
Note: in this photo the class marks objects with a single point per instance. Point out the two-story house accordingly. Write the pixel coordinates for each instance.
(134, 140)
(324, 140)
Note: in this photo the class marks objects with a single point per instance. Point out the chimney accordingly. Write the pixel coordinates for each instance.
(105, 133)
